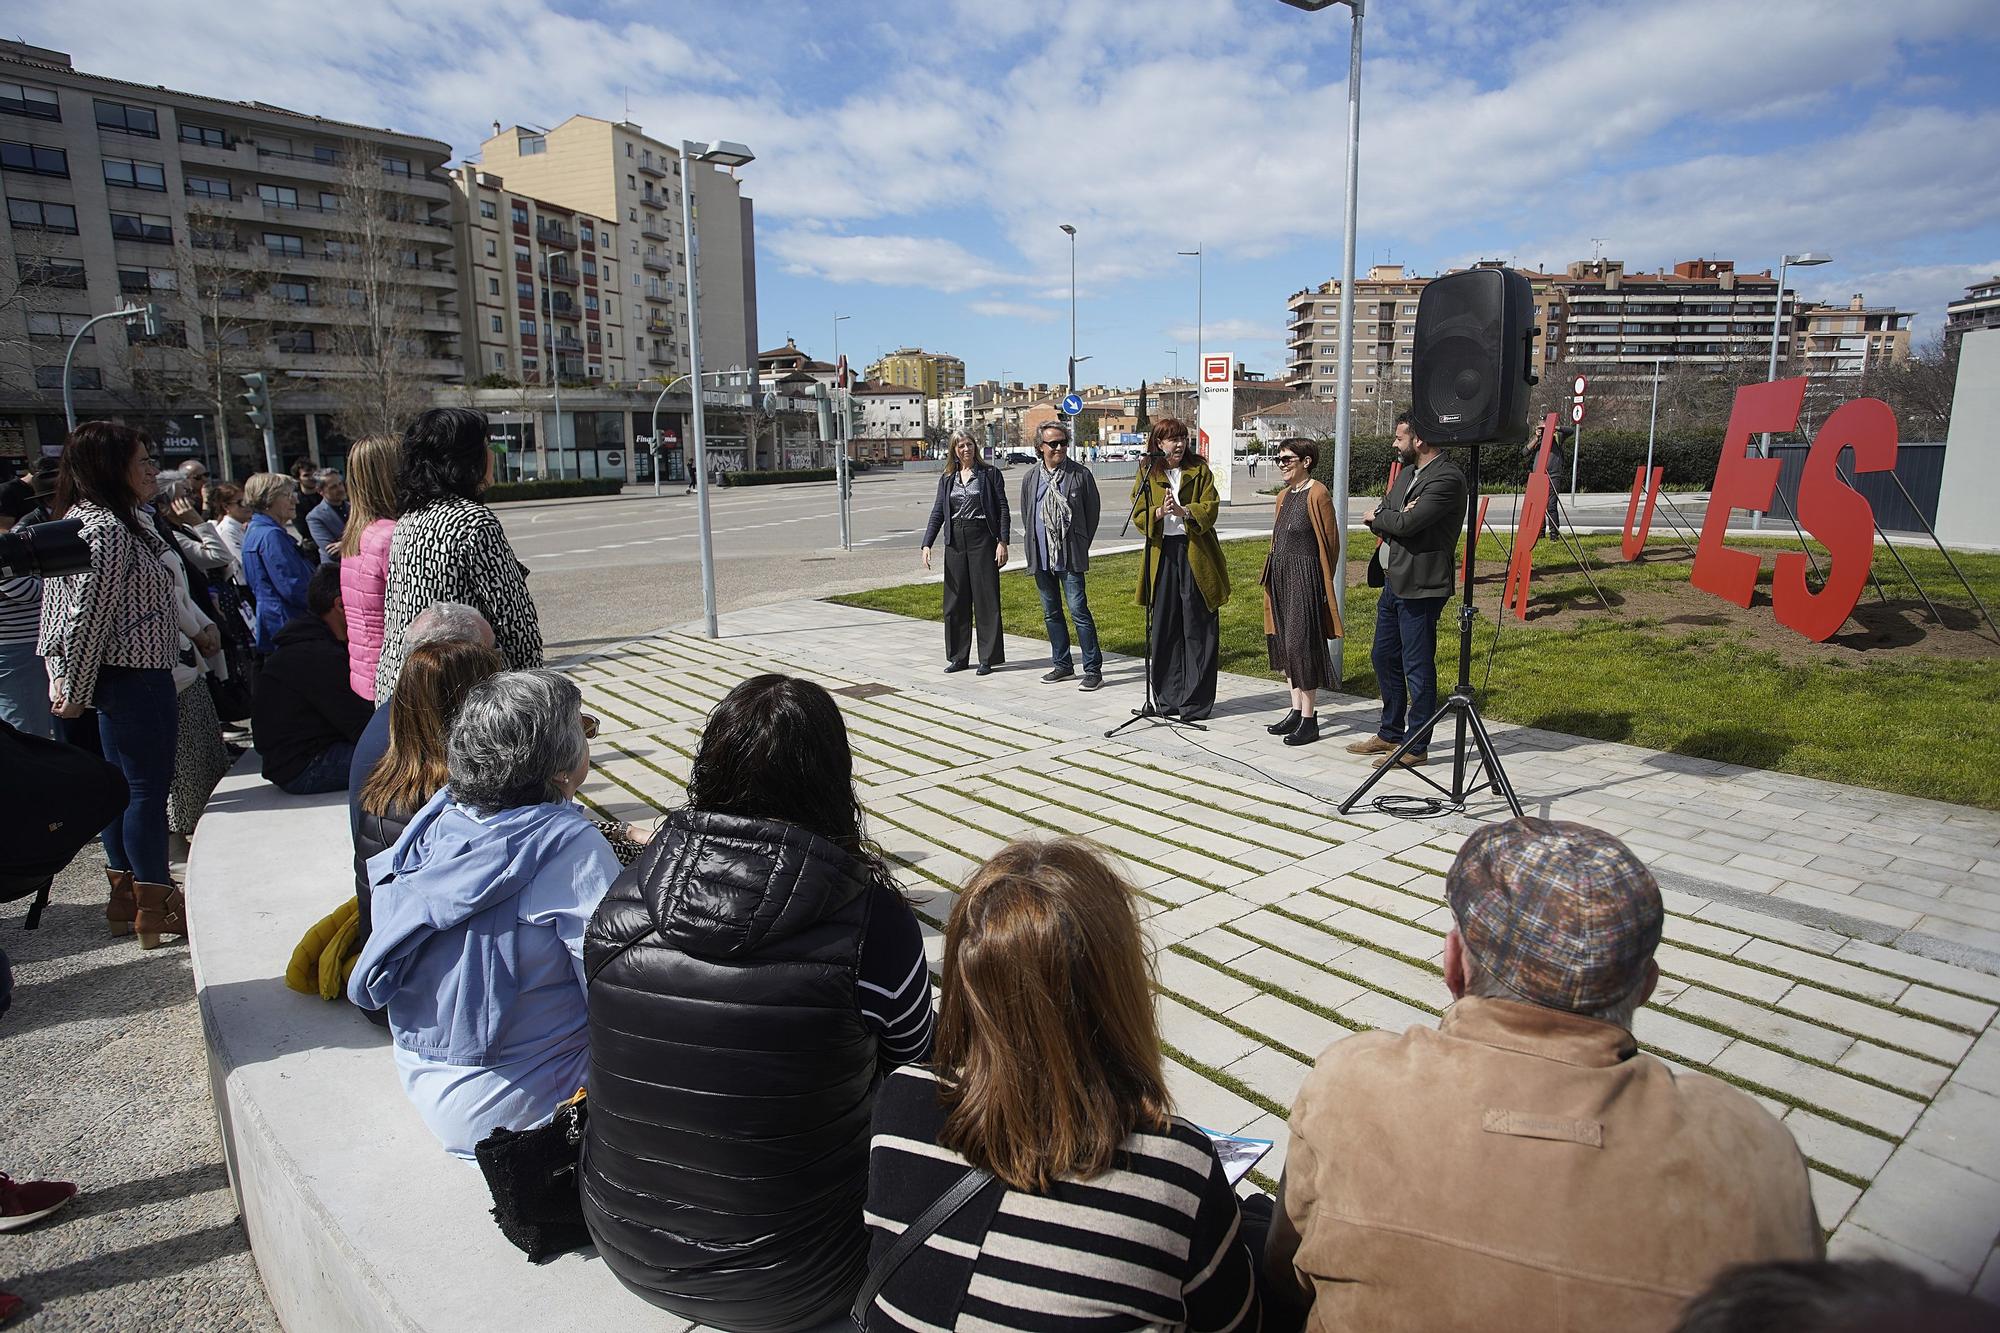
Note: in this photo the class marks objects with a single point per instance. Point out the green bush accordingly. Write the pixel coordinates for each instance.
(502, 491)
(774, 478)
(1606, 463)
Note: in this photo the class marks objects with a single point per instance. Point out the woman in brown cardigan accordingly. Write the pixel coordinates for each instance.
(1299, 611)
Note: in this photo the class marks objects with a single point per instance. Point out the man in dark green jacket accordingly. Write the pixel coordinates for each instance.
(1418, 522)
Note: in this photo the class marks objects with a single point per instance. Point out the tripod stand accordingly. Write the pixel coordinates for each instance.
(1148, 712)
(1459, 704)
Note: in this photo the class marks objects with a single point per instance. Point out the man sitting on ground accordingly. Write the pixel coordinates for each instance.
(304, 717)
(1523, 1166)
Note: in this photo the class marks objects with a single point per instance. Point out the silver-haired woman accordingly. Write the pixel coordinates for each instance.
(479, 914)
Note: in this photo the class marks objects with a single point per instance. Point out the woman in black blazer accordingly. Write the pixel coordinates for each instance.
(971, 510)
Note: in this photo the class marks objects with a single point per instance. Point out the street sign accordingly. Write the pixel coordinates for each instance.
(1072, 404)
(1578, 387)
(1576, 413)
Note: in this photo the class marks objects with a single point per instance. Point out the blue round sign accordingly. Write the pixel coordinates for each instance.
(1072, 405)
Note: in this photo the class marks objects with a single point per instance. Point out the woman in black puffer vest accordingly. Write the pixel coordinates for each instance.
(749, 979)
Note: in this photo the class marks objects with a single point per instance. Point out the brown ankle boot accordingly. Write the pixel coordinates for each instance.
(161, 912)
(122, 907)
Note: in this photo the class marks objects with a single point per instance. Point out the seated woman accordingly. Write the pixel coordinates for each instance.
(480, 910)
(1108, 1212)
(750, 977)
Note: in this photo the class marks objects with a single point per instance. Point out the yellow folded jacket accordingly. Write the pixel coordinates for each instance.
(322, 960)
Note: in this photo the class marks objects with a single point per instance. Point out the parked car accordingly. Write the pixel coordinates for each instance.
(1020, 456)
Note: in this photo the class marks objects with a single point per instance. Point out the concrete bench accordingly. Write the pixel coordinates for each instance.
(357, 1218)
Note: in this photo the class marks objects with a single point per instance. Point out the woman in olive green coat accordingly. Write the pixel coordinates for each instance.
(1183, 578)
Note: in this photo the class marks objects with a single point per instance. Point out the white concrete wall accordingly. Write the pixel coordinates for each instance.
(1968, 514)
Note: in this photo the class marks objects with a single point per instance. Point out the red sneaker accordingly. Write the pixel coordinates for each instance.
(24, 1205)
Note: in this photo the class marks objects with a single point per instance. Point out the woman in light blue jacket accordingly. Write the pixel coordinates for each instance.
(276, 572)
(479, 914)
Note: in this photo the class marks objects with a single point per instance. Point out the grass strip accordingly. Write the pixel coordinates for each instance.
(1227, 1082)
(1831, 989)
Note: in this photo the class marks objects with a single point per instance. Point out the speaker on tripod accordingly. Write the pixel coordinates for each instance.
(1473, 365)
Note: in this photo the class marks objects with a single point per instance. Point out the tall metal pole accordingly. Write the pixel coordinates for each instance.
(1344, 428)
(841, 399)
(1072, 305)
(69, 357)
(555, 357)
(1652, 424)
(694, 378)
(1771, 368)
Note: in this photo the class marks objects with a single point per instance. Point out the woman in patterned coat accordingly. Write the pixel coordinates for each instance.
(450, 548)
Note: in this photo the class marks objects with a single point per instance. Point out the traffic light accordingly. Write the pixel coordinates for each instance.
(257, 399)
(824, 402)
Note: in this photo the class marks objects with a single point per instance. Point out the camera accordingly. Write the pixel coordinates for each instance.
(46, 550)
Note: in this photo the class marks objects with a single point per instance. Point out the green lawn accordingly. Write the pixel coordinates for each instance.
(1906, 709)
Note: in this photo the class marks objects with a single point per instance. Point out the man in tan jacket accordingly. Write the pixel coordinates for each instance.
(1523, 1166)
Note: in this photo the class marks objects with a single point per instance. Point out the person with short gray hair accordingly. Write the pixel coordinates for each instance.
(1524, 1165)
(448, 621)
(275, 570)
(326, 521)
(480, 908)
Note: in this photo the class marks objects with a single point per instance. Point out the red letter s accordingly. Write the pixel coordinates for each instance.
(1839, 516)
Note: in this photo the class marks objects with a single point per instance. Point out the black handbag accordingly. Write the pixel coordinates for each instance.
(532, 1175)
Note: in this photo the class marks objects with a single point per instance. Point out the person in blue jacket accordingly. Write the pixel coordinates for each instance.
(278, 574)
(479, 914)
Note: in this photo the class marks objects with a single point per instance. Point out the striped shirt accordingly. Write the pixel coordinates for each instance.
(20, 609)
(894, 981)
(1153, 1242)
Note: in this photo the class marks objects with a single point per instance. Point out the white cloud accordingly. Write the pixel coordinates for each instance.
(1033, 314)
(894, 261)
(1216, 332)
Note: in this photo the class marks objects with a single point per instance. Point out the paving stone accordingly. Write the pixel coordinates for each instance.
(1920, 1078)
(1987, 1288)
(1302, 981)
(1658, 1029)
(1388, 933)
(1372, 1009)
(1395, 977)
(1867, 1020)
(1760, 1024)
(1304, 941)
(1203, 913)
(1889, 1112)
(1858, 1242)
(1220, 945)
(1358, 892)
(1719, 975)
(1919, 968)
(1268, 1126)
(1962, 1126)
(1272, 1074)
(1289, 1025)
(1934, 1208)
(1981, 1067)
(1703, 935)
(1831, 1198)
(1312, 906)
(1200, 1037)
(1805, 894)
(1839, 1146)
(1207, 1104)
(1831, 972)
(1198, 982)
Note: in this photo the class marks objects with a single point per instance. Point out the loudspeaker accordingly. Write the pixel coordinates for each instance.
(1474, 358)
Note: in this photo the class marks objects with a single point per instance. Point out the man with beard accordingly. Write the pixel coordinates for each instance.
(1418, 522)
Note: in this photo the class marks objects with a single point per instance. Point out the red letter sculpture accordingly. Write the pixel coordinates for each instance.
(1528, 530)
(1635, 542)
(1743, 483)
(1839, 516)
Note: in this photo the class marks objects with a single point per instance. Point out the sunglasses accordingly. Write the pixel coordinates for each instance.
(589, 727)
(1284, 459)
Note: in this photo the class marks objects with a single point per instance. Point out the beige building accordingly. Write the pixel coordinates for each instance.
(1853, 339)
(1385, 325)
(236, 219)
(614, 171)
(931, 373)
(1979, 308)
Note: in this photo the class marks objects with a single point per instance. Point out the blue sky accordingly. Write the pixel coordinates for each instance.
(915, 157)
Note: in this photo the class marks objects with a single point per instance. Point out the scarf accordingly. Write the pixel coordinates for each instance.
(1055, 514)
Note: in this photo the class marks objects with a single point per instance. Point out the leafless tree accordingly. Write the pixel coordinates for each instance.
(1918, 389)
(378, 337)
(32, 284)
(223, 294)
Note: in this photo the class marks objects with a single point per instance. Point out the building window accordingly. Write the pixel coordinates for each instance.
(488, 209)
(531, 144)
(34, 160)
(294, 340)
(492, 248)
(278, 196)
(525, 290)
(528, 327)
(590, 301)
(519, 212)
(207, 187)
(499, 360)
(22, 99)
(498, 325)
(290, 291)
(396, 166)
(205, 135)
(51, 272)
(126, 119)
(58, 326)
(604, 238)
(152, 228)
(135, 175)
(284, 243)
(631, 182)
(80, 377)
(493, 286)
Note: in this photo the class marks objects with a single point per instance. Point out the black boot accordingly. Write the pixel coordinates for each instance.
(1306, 733)
(1285, 725)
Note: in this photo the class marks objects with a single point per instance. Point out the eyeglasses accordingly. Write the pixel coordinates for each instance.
(1285, 459)
(589, 727)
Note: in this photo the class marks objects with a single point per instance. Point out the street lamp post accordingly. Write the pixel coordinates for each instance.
(1785, 262)
(730, 155)
(149, 314)
(840, 407)
(554, 364)
(1175, 353)
(1072, 303)
(1344, 426)
(1199, 262)
(669, 388)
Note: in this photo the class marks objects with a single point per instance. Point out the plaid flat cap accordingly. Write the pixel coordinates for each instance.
(1562, 914)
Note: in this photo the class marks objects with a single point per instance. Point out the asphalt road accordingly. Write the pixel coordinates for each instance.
(606, 568)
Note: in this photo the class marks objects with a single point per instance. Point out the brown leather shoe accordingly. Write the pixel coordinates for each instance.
(161, 912)
(122, 907)
(1373, 745)
(1410, 760)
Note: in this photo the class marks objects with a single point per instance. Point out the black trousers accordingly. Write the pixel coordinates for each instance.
(1185, 634)
(971, 593)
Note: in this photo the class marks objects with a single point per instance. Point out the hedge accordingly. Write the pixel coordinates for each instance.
(502, 491)
(1606, 463)
(775, 478)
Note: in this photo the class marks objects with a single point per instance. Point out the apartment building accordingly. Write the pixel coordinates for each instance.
(932, 373)
(539, 285)
(951, 411)
(1849, 340)
(1979, 308)
(889, 422)
(240, 221)
(1385, 326)
(1614, 325)
(614, 171)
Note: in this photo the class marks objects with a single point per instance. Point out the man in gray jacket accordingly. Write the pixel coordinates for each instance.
(1418, 522)
(1059, 509)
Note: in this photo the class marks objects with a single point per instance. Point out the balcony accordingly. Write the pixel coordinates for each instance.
(561, 307)
(652, 168)
(561, 238)
(657, 264)
(654, 231)
(561, 275)
(660, 326)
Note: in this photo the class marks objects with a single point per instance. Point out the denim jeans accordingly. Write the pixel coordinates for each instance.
(138, 718)
(1055, 588)
(24, 690)
(328, 771)
(1405, 658)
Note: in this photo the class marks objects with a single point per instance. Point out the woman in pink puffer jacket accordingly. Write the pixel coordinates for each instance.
(364, 554)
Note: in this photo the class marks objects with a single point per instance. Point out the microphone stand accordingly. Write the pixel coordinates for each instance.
(1149, 711)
